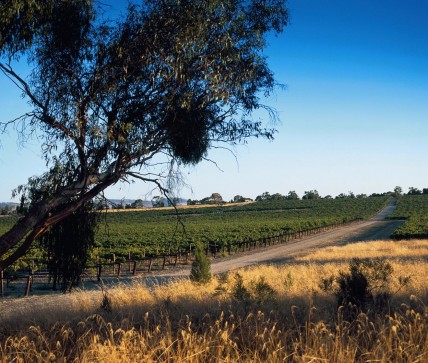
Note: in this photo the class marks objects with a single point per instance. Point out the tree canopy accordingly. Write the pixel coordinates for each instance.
(311, 194)
(106, 96)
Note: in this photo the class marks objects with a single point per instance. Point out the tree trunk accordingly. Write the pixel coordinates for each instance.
(43, 215)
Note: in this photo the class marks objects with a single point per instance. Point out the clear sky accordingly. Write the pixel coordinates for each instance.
(354, 113)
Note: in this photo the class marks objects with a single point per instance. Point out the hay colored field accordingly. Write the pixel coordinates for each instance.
(263, 313)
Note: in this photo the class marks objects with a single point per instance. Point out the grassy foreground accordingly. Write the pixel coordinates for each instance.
(260, 314)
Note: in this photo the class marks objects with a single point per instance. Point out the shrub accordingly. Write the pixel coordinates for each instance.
(353, 288)
(262, 291)
(240, 292)
(201, 266)
(288, 281)
(106, 304)
(326, 283)
(365, 286)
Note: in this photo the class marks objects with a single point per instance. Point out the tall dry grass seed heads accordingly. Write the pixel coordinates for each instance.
(259, 314)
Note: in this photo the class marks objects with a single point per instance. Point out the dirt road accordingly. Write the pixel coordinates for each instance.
(376, 228)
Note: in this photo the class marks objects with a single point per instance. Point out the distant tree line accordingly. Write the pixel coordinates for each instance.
(217, 199)
(7, 210)
(416, 191)
(156, 202)
(313, 194)
(398, 191)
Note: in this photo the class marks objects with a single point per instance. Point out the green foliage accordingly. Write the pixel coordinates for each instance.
(106, 304)
(158, 202)
(239, 291)
(20, 20)
(144, 233)
(326, 283)
(238, 199)
(288, 281)
(108, 95)
(414, 209)
(215, 198)
(6, 223)
(262, 291)
(259, 292)
(311, 194)
(365, 286)
(353, 288)
(139, 203)
(201, 266)
(68, 245)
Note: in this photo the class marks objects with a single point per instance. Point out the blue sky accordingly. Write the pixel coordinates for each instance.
(354, 113)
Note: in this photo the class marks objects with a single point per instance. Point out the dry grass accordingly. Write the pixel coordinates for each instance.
(284, 316)
(404, 249)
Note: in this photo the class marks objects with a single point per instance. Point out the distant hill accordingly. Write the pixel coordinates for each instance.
(128, 201)
(146, 203)
(8, 204)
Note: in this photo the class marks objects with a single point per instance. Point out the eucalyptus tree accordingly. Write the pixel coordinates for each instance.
(65, 258)
(108, 96)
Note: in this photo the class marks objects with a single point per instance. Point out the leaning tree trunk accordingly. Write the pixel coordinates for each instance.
(43, 215)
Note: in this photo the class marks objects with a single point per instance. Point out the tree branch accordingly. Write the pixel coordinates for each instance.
(23, 248)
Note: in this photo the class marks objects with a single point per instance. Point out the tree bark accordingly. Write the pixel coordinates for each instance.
(43, 215)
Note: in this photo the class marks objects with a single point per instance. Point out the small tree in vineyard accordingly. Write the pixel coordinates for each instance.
(201, 266)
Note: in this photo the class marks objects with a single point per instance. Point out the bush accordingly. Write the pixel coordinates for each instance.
(262, 291)
(365, 285)
(353, 288)
(239, 291)
(201, 266)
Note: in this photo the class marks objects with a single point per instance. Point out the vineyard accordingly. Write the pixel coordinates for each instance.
(141, 234)
(414, 209)
(160, 232)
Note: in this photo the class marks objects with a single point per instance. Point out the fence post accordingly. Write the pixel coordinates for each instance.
(99, 272)
(118, 269)
(1, 282)
(150, 264)
(164, 262)
(134, 270)
(28, 286)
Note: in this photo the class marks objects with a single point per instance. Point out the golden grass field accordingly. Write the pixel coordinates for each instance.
(265, 314)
